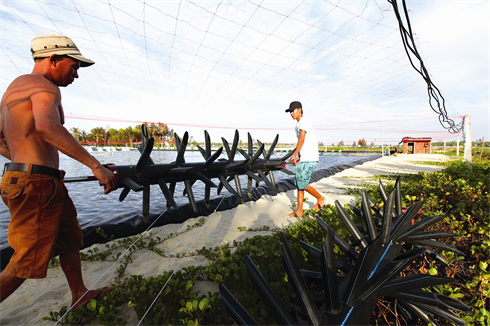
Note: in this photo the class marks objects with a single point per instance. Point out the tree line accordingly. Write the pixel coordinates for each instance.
(128, 135)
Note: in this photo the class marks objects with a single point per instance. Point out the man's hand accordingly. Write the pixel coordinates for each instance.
(106, 178)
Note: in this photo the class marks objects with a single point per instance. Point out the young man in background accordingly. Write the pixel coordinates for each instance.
(305, 158)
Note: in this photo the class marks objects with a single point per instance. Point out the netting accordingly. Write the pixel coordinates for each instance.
(231, 64)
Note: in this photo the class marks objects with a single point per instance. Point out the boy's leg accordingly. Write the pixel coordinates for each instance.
(320, 200)
(299, 208)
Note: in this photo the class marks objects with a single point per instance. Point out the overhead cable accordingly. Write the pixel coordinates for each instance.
(435, 96)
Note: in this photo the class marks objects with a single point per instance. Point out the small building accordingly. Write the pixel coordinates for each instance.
(420, 145)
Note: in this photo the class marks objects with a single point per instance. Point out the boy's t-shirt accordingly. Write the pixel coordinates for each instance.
(309, 151)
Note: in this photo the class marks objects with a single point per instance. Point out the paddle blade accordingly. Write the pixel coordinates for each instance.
(227, 148)
(307, 303)
(267, 294)
(239, 314)
(130, 183)
(212, 158)
(145, 155)
(207, 140)
(190, 195)
(271, 149)
(250, 145)
(124, 193)
(146, 203)
(234, 146)
(166, 192)
(181, 149)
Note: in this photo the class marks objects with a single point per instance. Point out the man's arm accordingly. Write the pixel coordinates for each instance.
(4, 150)
(299, 145)
(45, 109)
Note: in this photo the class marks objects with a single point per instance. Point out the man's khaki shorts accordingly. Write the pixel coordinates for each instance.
(43, 222)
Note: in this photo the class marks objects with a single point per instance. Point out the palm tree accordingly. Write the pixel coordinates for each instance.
(83, 136)
(76, 133)
(97, 135)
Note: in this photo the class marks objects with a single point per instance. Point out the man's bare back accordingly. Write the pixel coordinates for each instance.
(23, 140)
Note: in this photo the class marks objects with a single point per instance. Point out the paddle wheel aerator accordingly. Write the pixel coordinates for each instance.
(351, 290)
(145, 173)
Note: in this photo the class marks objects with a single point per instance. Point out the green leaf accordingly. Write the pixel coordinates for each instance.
(204, 304)
(92, 305)
(483, 265)
(433, 271)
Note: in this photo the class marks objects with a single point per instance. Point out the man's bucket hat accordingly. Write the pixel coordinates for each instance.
(45, 45)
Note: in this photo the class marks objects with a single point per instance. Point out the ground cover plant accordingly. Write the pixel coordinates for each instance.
(460, 191)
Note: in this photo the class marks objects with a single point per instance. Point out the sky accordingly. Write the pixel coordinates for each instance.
(226, 65)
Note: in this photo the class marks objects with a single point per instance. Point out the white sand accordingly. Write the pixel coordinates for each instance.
(36, 298)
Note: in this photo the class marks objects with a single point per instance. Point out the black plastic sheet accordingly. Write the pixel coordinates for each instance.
(131, 224)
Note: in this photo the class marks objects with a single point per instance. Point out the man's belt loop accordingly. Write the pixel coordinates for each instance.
(29, 170)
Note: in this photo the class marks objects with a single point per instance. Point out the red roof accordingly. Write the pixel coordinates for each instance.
(418, 139)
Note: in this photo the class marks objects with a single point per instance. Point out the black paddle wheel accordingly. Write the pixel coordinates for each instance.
(382, 249)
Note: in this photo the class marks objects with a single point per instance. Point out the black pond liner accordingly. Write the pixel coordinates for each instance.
(124, 226)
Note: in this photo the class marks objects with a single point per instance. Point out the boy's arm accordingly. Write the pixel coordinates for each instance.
(299, 145)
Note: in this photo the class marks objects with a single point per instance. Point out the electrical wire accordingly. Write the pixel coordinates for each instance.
(411, 50)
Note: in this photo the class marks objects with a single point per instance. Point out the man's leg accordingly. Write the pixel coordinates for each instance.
(72, 267)
(299, 208)
(320, 200)
(8, 284)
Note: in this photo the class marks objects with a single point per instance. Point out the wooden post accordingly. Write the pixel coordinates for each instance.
(467, 138)
(457, 147)
(481, 150)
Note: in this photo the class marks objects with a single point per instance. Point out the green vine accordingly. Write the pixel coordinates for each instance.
(460, 192)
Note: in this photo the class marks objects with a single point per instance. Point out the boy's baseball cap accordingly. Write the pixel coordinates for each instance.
(45, 45)
(294, 105)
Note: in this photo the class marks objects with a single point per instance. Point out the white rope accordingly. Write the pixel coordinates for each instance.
(175, 269)
(110, 267)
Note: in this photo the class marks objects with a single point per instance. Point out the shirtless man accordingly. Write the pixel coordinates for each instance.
(43, 218)
(305, 158)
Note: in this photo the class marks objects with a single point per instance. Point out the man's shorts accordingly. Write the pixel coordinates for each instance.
(43, 222)
(303, 173)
